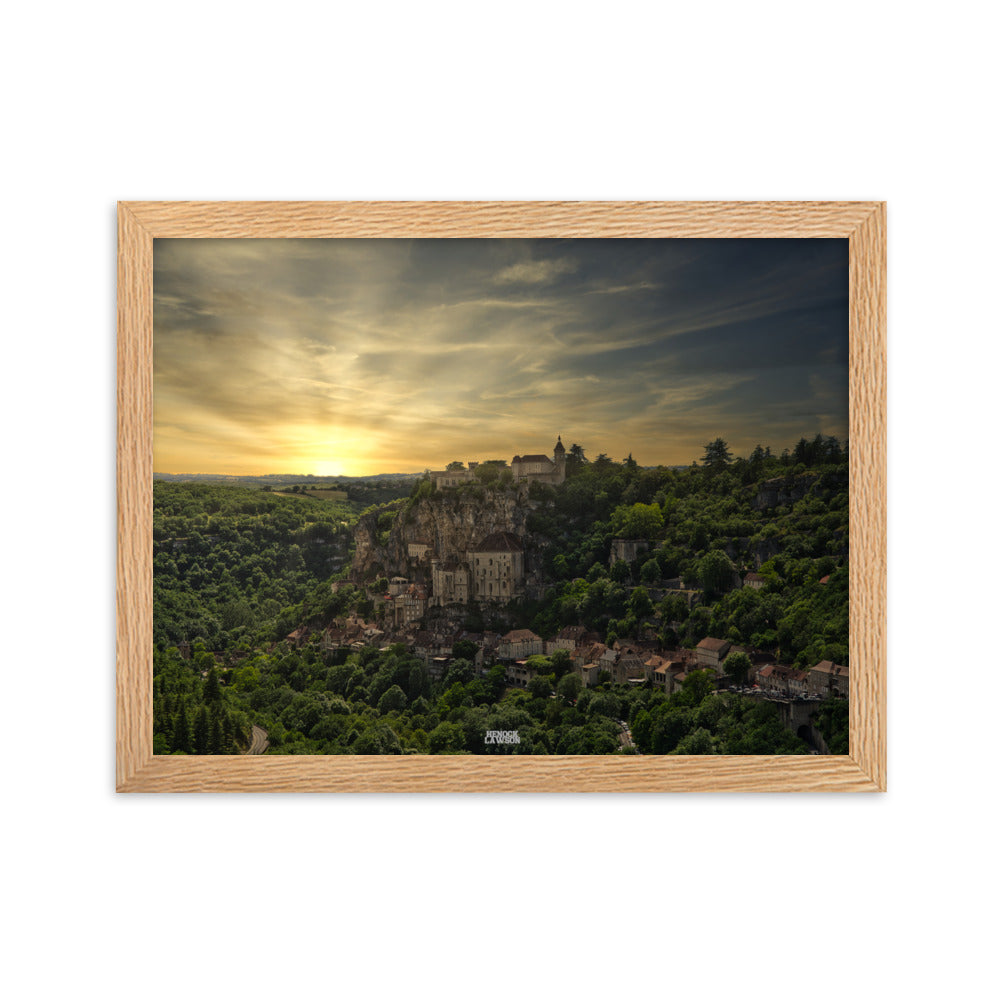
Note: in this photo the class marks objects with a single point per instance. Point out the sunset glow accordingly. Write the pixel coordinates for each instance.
(355, 357)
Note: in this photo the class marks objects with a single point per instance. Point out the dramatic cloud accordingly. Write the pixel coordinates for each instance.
(361, 356)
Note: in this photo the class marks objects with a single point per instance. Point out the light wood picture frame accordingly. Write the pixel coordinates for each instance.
(863, 224)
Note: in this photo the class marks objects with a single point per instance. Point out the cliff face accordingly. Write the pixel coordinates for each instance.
(790, 489)
(448, 524)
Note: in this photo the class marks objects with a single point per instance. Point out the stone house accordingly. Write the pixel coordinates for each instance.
(777, 679)
(770, 678)
(519, 673)
(630, 668)
(519, 644)
(711, 653)
(408, 605)
(608, 659)
(568, 638)
(754, 581)
(798, 683)
(828, 678)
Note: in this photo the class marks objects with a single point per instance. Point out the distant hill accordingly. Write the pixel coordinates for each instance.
(279, 480)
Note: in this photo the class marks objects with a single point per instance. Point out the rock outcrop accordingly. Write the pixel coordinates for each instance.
(443, 527)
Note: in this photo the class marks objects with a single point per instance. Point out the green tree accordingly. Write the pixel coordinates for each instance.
(215, 744)
(640, 520)
(446, 737)
(717, 454)
(639, 604)
(212, 692)
(697, 685)
(575, 460)
(561, 662)
(465, 649)
(715, 571)
(698, 742)
(569, 688)
(540, 686)
(738, 667)
(201, 731)
(181, 742)
(394, 700)
(377, 739)
(650, 571)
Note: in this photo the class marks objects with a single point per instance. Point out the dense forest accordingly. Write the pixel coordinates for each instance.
(376, 702)
(237, 570)
(709, 525)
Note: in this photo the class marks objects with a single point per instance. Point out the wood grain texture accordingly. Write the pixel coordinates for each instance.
(134, 576)
(862, 223)
(868, 495)
(271, 219)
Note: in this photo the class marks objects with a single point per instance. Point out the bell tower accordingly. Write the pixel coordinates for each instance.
(559, 458)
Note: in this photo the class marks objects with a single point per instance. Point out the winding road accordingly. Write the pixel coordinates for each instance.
(258, 741)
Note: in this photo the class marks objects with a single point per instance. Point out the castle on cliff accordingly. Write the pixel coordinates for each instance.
(526, 469)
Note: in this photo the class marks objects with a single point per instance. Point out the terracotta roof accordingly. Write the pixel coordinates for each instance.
(829, 667)
(713, 645)
(521, 635)
(500, 541)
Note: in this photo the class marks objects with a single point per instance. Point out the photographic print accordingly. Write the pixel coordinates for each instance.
(501, 497)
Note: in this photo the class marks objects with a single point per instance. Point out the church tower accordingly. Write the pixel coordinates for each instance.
(559, 458)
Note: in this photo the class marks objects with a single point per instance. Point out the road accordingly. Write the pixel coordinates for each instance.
(258, 741)
(626, 737)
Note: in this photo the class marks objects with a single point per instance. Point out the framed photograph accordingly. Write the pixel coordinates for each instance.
(501, 496)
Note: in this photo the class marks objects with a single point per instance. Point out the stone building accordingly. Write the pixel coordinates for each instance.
(492, 571)
(630, 668)
(449, 583)
(520, 644)
(417, 550)
(777, 679)
(568, 638)
(455, 477)
(541, 468)
(406, 605)
(526, 469)
(497, 567)
(711, 653)
(828, 678)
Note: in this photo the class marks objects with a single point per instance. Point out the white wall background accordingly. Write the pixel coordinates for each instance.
(749, 896)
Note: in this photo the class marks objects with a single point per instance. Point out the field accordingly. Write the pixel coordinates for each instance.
(327, 494)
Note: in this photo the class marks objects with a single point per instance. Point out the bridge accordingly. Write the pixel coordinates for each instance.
(795, 714)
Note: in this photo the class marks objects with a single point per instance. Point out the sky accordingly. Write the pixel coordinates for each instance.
(354, 357)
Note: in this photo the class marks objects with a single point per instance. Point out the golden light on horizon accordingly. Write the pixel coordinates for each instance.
(359, 357)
